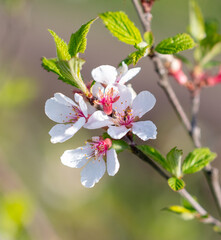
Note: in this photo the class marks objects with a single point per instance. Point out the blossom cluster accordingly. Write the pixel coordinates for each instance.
(112, 106)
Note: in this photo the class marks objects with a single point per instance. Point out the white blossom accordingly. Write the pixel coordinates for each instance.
(96, 156)
(69, 115)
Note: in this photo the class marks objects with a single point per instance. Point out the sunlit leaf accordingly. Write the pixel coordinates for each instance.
(62, 47)
(197, 26)
(174, 158)
(149, 39)
(154, 155)
(176, 184)
(197, 160)
(175, 44)
(121, 27)
(78, 40)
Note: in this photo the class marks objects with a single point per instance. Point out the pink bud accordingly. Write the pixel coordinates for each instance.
(211, 81)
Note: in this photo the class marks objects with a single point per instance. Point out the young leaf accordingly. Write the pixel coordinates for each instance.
(211, 54)
(186, 204)
(62, 47)
(51, 66)
(197, 26)
(71, 71)
(175, 44)
(134, 57)
(211, 27)
(119, 145)
(78, 40)
(154, 155)
(174, 158)
(182, 211)
(149, 39)
(121, 27)
(197, 160)
(176, 184)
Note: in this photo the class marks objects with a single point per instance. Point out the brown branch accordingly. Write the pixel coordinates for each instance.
(211, 173)
(195, 130)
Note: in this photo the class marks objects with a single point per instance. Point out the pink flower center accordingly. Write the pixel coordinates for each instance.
(107, 99)
(76, 115)
(124, 118)
(100, 147)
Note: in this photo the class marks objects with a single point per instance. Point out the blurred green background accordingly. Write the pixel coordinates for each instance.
(42, 199)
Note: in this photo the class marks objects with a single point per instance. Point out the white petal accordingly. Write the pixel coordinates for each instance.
(93, 172)
(117, 132)
(61, 98)
(90, 108)
(112, 162)
(129, 75)
(76, 158)
(133, 93)
(143, 103)
(98, 120)
(104, 74)
(96, 88)
(62, 132)
(145, 130)
(124, 101)
(82, 104)
(58, 111)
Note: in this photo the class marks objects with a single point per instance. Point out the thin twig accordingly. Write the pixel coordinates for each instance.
(211, 173)
(195, 130)
(184, 193)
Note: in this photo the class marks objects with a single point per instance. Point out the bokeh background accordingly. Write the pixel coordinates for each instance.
(42, 199)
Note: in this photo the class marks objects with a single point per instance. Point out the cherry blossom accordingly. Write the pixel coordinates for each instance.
(107, 74)
(69, 116)
(105, 96)
(96, 156)
(126, 115)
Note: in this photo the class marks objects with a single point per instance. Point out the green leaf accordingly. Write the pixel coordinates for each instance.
(149, 39)
(119, 145)
(211, 27)
(71, 71)
(174, 158)
(197, 26)
(186, 204)
(154, 155)
(62, 47)
(51, 66)
(134, 57)
(197, 160)
(121, 27)
(176, 184)
(211, 54)
(175, 44)
(78, 40)
(182, 211)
